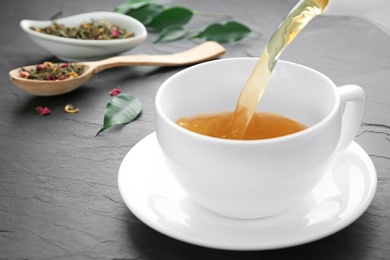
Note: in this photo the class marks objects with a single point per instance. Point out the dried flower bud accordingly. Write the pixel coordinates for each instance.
(40, 67)
(43, 110)
(114, 33)
(50, 77)
(24, 74)
(64, 65)
(114, 92)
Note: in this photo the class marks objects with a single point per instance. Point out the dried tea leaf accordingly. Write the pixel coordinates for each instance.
(57, 15)
(122, 109)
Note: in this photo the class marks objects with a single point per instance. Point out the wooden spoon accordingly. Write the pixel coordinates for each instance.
(203, 52)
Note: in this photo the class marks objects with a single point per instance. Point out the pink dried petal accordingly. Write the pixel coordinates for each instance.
(114, 33)
(43, 110)
(62, 77)
(64, 65)
(50, 77)
(40, 67)
(114, 92)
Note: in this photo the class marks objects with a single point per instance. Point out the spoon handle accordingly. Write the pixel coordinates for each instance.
(203, 52)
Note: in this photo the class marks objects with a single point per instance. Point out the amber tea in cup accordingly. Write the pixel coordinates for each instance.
(263, 125)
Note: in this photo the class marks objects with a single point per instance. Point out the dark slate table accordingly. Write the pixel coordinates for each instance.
(59, 195)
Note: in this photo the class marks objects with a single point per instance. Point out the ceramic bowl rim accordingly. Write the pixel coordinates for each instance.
(25, 24)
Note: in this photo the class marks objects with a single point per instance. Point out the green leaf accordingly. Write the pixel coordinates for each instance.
(122, 109)
(171, 33)
(145, 13)
(170, 16)
(230, 32)
(132, 4)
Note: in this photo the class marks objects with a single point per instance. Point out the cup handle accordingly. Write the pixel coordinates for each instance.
(352, 101)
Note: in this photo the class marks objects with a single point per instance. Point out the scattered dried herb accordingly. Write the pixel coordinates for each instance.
(122, 109)
(114, 92)
(43, 110)
(70, 109)
(53, 71)
(95, 30)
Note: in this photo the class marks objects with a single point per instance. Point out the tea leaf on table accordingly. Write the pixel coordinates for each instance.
(145, 13)
(171, 33)
(132, 4)
(121, 110)
(230, 32)
(168, 20)
(170, 16)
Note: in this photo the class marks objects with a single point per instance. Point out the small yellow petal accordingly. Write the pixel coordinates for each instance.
(69, 109)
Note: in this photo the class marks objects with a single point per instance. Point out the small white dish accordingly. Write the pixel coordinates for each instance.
(77, 50)
(153, 195)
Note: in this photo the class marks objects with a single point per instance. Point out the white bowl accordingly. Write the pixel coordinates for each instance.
(76, 49)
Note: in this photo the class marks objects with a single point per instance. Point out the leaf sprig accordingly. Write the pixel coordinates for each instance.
(170, 23)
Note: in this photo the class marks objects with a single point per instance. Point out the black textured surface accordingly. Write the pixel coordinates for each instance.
(58, 182)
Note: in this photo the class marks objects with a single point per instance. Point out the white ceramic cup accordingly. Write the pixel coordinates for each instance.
(256, 178)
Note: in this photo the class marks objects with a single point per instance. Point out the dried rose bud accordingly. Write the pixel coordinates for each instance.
(40, 67)
(50, 77)
(114, 33)
(24, 74)
(64, 65)
(114, 92)
(62, 77)
(43, 110)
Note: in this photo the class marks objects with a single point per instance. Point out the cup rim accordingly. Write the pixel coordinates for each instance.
(284, 138)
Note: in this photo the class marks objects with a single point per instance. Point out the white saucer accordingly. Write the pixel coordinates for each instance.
(151, 193)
